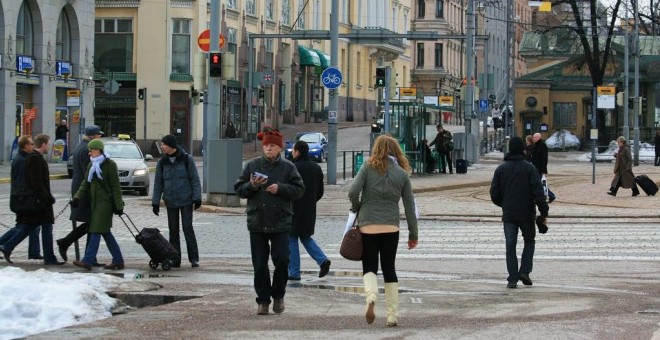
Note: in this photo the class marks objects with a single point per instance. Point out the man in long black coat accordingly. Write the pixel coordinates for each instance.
(540, 160)
(304, 213)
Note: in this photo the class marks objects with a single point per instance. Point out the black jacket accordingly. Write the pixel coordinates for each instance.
(540, 157)
(268, 213)
(516, 187)
(81, 160)
(37, 178)
(304, 209)
(657, 145)
(441, 141)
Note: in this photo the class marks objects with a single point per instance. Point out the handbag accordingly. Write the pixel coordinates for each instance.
(24, 201)
(351, 244)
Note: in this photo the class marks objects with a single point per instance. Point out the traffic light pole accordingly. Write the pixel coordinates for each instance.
(213, 96)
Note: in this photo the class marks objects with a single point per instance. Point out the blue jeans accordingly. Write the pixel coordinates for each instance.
(93, 248)
(25, 230)
(33, 249)
(511, 235)
(312, 248)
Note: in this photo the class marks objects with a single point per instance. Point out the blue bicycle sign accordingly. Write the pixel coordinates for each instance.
(331, 78)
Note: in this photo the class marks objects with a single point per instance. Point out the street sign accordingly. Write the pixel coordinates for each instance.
(446, 100)
(331, 78)
(606, 97)
(267, 78)
(204, 40)
(483, 105)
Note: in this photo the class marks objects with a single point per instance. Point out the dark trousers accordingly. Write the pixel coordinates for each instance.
(657, 160)
(445, 156)
(188, 231)
(277, 246)
(74, 235)
(34, 250)
(511, 236)
(384, 245)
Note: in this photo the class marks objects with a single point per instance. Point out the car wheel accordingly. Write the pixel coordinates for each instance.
(144, 192)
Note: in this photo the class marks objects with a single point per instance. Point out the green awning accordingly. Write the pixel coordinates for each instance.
(325, 59)
(308, 57)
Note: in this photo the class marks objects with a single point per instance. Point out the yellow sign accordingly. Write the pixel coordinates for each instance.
(446, 100)
(73, 93)
(606, 90)
(408, 92)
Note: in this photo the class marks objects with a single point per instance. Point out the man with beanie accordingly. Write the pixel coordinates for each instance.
(304, 213)
(83, 212)
(516, 188)
(271, 184)
(177, 182)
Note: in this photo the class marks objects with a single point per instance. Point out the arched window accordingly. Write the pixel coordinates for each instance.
(24, 32)
(63, 49)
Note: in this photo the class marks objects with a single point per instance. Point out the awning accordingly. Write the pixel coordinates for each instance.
(308, 57)
(325, 59)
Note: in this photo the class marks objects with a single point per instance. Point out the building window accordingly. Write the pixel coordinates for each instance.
(317, 14)
(438, 55)
(269, 54)
(564, 115)
(439, 9)
(232, 47)
(421, 8)
(286, 13)
(420, 54)
(270, 8)
(181, 46)
(63, 38)
(231, 4)
(250, 7)
(301, 14)
(24, 32)
(113, 45)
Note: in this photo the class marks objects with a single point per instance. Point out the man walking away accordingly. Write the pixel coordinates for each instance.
(271, 184)
(177, 182)
(516, 188)
(540, 160)
(82, 213)
(441, 143)
(37, 181)
(304, 213)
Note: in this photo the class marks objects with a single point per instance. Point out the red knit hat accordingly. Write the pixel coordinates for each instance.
(270, 136)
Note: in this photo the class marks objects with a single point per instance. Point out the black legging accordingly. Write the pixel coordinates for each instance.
(384, 244)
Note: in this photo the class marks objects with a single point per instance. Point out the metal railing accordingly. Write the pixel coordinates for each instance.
(353, 153)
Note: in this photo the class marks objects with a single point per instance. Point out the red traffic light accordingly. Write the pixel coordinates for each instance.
(215, 65)
(215, 58)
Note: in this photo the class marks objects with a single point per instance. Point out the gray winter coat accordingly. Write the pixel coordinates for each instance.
(177, 183)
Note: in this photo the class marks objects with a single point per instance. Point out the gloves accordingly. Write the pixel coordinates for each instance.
(156, 209)
(197, 204)
(74, 203)
(119, 212)
(539, 224)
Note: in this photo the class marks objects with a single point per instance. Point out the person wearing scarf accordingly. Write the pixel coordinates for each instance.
(102, 188)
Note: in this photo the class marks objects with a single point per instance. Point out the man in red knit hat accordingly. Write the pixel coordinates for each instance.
(271, 184)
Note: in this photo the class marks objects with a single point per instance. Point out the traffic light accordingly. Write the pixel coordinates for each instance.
(380, 77)
(644, 104)
(215, 65)
(141, 94)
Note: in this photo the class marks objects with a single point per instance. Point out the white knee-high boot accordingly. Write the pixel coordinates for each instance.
(371, 294)
(392, 302)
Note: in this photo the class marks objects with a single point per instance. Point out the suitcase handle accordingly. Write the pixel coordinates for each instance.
(127, 226)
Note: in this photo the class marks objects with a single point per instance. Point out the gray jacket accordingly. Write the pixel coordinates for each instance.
(379, 203)
(178, 183)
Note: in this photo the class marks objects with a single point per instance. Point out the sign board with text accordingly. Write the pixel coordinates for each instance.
(606, 97)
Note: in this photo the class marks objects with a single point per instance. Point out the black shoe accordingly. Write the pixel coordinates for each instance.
(451, 172)
(96, 264)
(551, 199)
(611, 193)
(56, 263)
(37, 257)
(62, 248)
(194, 264)
(325, 268)
(525, 279)
(636, 193)
(511, 285)
(6, 254)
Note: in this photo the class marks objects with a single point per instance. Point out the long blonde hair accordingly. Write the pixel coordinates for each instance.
(385, 146)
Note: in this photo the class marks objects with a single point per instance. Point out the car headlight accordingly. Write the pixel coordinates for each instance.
(141, 172)
(289, 150)
(313, 150)
(374, 125)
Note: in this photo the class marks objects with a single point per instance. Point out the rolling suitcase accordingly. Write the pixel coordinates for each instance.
(160, 250)
(461, 166)
(649, 187)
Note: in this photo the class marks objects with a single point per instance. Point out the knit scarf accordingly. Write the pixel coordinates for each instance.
(96, 167)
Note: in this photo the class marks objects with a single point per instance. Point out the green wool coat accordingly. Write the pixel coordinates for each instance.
(98, 192)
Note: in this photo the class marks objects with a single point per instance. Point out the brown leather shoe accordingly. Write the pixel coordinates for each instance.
(262, 309)
(114, 266)
(82, 264)
(278, 305)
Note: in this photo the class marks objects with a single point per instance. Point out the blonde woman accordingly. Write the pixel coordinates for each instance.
(375, 193)
(623, 174)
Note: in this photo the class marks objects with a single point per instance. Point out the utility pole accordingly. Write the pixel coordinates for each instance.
(626, 85)
(471, 123)
(507, 114)
(636, 103)
(332, 104)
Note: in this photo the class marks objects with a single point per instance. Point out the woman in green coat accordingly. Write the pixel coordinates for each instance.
(103, 190)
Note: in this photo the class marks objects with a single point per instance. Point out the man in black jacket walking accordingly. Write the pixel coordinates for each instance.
(271, 184)
(540, 160)
(304, 213)
(516, 187)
